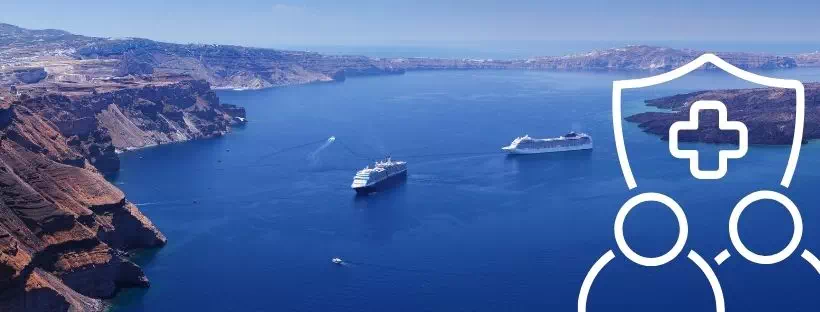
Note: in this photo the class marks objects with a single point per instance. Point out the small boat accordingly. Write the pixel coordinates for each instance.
(337, 261)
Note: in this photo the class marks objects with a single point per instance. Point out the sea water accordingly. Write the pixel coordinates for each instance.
(254, 218)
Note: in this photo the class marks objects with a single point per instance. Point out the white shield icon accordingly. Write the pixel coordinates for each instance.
(617, 118)
(617, 122)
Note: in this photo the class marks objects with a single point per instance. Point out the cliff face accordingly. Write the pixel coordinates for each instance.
(253, 68)
(68, 103)
(63, 227)
(630, 58)
(148, 116)
(129, 114)
(64, 230)
(78, 59)
(768, 114)
(658, 58)
(233, 66)
(811, 59)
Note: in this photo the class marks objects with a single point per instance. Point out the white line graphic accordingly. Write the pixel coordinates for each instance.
(720, 305)
(723, 124)
(619, 85)
(683, 229)
(722, 256)
(591, 275)
(599, 265)
(734, 219)
(811, 259)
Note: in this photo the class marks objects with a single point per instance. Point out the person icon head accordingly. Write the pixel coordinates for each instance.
(683, 229)
(791, 247)
(618, 87)
(677, 248)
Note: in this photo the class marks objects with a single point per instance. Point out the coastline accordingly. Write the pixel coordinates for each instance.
(70, 229)
(295, 216)
(71, 114)
(768, 113)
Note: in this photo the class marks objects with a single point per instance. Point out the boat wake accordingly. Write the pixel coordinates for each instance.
(354, 264)
(312, 155)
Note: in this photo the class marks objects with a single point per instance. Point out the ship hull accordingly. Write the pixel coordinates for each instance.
(547, 150)
(382, 185)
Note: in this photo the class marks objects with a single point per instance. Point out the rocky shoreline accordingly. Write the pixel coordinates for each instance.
(65, 231)
(767, 112)
(70, 103)
(241, 68)
(29, 56)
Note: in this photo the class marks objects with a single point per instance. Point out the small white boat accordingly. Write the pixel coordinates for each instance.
(337, 261)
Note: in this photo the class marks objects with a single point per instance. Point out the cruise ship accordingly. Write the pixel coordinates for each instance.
(569, 142)
(380, 176)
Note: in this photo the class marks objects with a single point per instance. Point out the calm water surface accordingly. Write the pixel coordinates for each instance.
(254, 218)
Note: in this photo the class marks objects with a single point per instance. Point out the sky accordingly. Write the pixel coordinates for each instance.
(372, 22)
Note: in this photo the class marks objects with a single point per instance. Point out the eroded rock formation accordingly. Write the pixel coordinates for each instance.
(73, 58)
(767, 112)
(68, 103)
(64, 227)
(64, 230)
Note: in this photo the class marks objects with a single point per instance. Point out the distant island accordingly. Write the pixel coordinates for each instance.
(70, 103)
(82, 61)
(767, 112)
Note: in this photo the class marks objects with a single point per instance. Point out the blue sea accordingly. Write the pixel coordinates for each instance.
(253, 218)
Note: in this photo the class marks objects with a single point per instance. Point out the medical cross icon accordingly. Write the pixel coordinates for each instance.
(692, 124)
(723, 124)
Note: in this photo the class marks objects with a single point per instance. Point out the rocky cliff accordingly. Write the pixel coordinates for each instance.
(629, 58)
(65, 232)
(69, 103)
(253, 68)
(132, 113)
(808, 59)
(73, 58)
(63, 228)
(767, 112)
(232, 66)
(643, 57)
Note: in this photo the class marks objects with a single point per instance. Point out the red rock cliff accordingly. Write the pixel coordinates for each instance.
(65, 230)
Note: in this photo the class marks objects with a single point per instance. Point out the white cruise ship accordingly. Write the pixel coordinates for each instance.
(380, 176)
(569, 142)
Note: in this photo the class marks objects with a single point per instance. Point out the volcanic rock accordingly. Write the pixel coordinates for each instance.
(767, 112)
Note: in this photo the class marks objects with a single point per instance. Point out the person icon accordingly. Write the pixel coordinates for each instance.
(791, 247)
(677, 248)
(693, 157)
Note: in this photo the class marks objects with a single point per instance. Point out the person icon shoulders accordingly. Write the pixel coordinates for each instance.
(677, 248)
(693, 157)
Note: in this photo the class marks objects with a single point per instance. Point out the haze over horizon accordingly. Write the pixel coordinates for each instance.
(371, 22)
